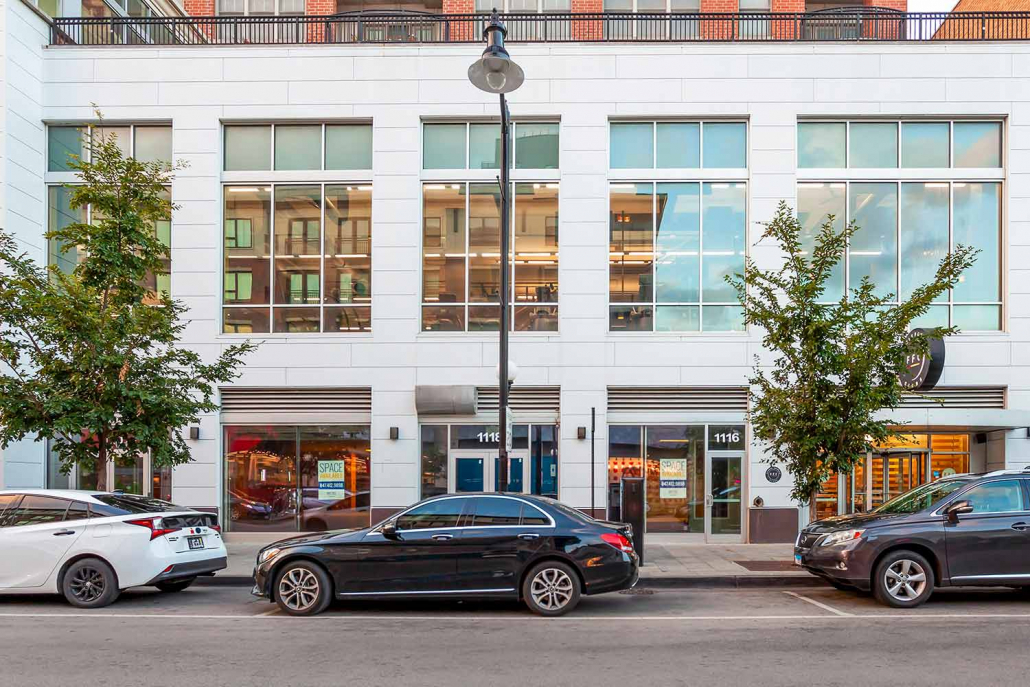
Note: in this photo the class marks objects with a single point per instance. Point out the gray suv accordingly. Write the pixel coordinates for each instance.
(962, 530)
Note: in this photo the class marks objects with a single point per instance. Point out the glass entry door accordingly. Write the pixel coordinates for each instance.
(895, 472)
(475, 471)
(725, 486)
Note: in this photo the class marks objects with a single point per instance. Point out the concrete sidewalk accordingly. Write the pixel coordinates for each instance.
(669, 561)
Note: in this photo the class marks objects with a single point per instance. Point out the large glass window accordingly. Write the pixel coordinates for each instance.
(478, 146)
(311, 478)
(671, 246)
(461, 268)
(907, 227)
(147, 143)
(692, 474)
(903, 235)
(250, 147)
(922, 144)
(316, 275)
(678, 145)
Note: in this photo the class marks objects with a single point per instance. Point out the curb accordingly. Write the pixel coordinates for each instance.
(692, 582)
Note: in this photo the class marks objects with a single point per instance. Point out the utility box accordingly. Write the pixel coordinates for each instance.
(632, 511)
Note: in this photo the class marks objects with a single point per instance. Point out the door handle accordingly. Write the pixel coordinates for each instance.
(529, 536)
(62, 533)
(442, 537)
(1020, 526)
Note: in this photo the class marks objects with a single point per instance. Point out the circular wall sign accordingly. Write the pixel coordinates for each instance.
(923, 371)
(773, 474)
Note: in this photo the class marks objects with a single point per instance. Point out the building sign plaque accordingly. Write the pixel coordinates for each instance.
(773, 474)
(923, 371)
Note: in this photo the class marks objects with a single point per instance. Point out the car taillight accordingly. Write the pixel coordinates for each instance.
(216, 527)
(155, 527)
(618, 541)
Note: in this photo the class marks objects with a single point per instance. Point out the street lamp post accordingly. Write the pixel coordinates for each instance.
(496, 72)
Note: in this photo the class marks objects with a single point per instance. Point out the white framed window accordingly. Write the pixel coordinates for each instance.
(461, 259)
(146, 142)
(916, 189)
(677, 224)
(259, 8)
(297, 228)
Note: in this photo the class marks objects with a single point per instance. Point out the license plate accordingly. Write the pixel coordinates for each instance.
(797, 559)
(195, 542)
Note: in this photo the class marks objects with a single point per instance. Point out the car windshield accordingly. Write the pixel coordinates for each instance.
(128, 504)
(921, 498)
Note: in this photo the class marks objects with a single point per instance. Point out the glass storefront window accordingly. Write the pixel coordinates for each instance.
(536, 146)
(62, 142)
(693, 474)
(443, 146)
(632, 145)
(724, 145)
(816, 204)
(434, 460)
(283, 478)
(153, 144)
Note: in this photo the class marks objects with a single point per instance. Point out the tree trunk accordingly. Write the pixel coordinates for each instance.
(101, 464)
(813, 507)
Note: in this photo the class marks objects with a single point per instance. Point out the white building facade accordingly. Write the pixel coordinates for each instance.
(339, 206)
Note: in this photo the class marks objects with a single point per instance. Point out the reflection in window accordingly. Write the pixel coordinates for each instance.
(533, 145)
(321, 283)
(679, 145)
(453, 259)
(283, 478)
(821, 144)
(906, 225)
(671, 246)
(977, 144)
(873, 144)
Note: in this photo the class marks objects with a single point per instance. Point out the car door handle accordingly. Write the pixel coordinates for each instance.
(529, 536)
(442, 537)
(1020, 526)
(62, 533)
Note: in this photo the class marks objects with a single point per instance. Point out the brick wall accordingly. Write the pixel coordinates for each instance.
(721, 29)
(588, 30)
(318, 8)
(199, 8)
(465, 30)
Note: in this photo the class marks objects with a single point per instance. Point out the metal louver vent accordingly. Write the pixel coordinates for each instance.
(677, 398)
(273, 402)
(957, 397)
(526, 399)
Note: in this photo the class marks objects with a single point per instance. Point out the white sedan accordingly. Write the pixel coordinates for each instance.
(89, 546)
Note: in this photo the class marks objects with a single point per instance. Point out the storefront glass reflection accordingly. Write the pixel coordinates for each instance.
(673, 459)
(282, 478)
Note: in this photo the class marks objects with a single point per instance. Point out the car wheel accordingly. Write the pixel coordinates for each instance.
(175, 586)
(551, 589)
(89, 583)
(904, 579)
(303, 588)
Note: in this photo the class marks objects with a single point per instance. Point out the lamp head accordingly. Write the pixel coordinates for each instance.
(495, 71)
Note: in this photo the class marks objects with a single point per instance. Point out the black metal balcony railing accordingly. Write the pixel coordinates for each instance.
(410, 27)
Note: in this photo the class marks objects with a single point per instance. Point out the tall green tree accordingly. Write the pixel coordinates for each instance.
(834, 366)
(89, 354)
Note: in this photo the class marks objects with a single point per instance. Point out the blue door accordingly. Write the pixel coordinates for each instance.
(469, 474)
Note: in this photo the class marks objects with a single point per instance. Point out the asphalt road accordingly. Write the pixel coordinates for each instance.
(223, 636)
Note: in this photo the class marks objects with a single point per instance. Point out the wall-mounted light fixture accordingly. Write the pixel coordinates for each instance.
(395, 433)
(759, 502)
(581, 432)
(194, 433)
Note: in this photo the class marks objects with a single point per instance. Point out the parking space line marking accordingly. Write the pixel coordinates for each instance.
(274, 611)
(838, 615)
(821, 605)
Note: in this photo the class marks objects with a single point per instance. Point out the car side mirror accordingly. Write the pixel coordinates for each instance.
(389, 530)
(958, 508)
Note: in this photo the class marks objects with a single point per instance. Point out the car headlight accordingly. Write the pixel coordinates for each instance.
(268, 554)
(842, 537)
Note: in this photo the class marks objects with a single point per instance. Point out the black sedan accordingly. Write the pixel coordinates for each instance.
(958, 531)
(505, 546)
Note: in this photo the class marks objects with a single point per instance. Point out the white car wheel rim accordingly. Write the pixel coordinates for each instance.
(551, 589)
(299, 589)
(905, 580)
